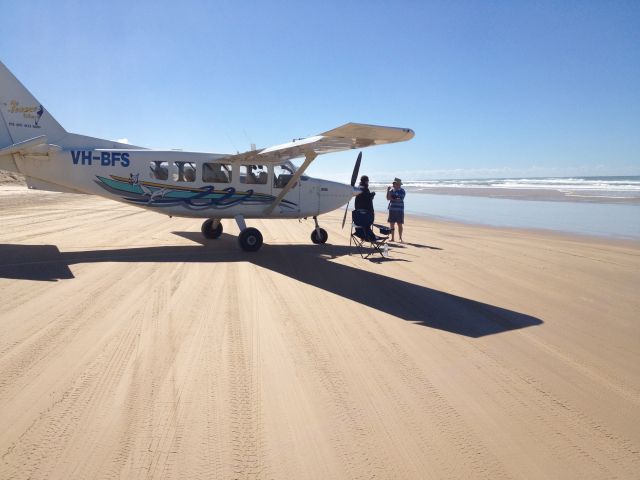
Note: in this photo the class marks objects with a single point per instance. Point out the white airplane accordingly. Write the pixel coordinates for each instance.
(253, 184)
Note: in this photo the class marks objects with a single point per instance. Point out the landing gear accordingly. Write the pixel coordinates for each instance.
(250, 239)
(212, 228)
(319, 235)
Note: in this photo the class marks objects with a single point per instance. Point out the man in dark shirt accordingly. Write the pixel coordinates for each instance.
(364, 200)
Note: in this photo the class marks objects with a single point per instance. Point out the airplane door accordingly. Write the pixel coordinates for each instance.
(291, 202)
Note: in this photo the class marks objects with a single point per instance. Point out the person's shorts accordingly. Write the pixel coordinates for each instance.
(396, 216)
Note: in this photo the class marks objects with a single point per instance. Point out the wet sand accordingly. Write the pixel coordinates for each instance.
(132, 348)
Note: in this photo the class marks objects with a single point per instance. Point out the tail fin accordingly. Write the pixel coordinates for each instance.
(22, 117)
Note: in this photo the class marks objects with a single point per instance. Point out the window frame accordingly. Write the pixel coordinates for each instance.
(158, 165)
(176, 171)
(264, 168)
(229, 172)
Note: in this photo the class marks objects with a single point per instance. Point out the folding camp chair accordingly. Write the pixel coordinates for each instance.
(362, 236)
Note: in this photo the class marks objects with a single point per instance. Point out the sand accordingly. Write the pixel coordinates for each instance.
(131, 348)
(11, 178)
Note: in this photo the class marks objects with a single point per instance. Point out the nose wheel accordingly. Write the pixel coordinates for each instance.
(319, 235)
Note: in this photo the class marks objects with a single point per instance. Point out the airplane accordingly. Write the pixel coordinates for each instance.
(259, 183)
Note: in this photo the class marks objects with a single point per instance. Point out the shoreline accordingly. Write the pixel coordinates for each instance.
(559, 234)
(603, 240)
(530, 194)
(598, 219)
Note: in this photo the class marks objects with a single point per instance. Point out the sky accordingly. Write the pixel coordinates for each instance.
(491, 88)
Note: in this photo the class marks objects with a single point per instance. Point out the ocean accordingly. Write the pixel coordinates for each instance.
(601, 206)
(578, 187)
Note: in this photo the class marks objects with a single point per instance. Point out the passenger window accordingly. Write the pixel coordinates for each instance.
(184, 172)
(253, 174)
(159, 170)
(216, 173)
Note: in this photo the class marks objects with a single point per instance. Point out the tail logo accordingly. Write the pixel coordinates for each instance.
(15, 107)
(31, 115)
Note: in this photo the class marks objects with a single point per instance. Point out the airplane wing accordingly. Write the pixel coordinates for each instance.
(346, 137)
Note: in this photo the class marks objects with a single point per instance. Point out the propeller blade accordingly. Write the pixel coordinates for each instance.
(344, 219)
(354, 177)
(356, 169)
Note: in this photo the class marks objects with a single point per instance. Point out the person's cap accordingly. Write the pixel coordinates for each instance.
(397, 180)
(364, 178)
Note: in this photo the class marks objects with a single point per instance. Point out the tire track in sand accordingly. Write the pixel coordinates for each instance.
(37, 451)
(570, 433)
(245, 403)
(352, 437)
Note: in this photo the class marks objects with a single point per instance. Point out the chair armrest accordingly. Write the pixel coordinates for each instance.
(383, 229)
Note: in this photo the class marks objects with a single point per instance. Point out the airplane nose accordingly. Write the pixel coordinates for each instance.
(334, 195)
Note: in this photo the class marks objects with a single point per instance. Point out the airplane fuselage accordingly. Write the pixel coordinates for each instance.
(185, 184)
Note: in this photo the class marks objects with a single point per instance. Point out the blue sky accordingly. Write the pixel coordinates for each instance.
(491, 88)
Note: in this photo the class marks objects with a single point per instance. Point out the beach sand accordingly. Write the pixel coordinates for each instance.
(131, 348)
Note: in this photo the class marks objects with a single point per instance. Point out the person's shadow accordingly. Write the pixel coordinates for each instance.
(309, 264)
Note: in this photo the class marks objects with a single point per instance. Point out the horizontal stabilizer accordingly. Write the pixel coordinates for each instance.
(23, 146)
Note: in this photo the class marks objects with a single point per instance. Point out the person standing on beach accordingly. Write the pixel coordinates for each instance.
(364, 200)
(396, 195)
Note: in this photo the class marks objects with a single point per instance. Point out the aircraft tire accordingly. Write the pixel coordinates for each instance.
(250, 239)
(319, 239)
(210, 232)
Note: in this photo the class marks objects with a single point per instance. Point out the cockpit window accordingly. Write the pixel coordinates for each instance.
(282, 174)
(184, 172)
(159, 170)
(216, 173)
(289, 167)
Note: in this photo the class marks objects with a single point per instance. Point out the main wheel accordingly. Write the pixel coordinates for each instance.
(319, 238)
(250, 239)
(208, 231)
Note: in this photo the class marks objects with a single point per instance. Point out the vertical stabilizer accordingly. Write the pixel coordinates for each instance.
(22, 117)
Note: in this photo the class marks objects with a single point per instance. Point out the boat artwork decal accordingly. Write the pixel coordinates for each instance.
(154, 194)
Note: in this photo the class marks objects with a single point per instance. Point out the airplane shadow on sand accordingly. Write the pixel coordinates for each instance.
(310, 264)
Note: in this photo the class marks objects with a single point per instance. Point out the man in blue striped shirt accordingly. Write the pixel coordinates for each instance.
(396, 195)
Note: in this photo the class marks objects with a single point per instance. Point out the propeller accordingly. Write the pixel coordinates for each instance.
(354, 177)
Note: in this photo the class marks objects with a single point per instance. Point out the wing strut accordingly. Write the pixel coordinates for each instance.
(309, 156)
